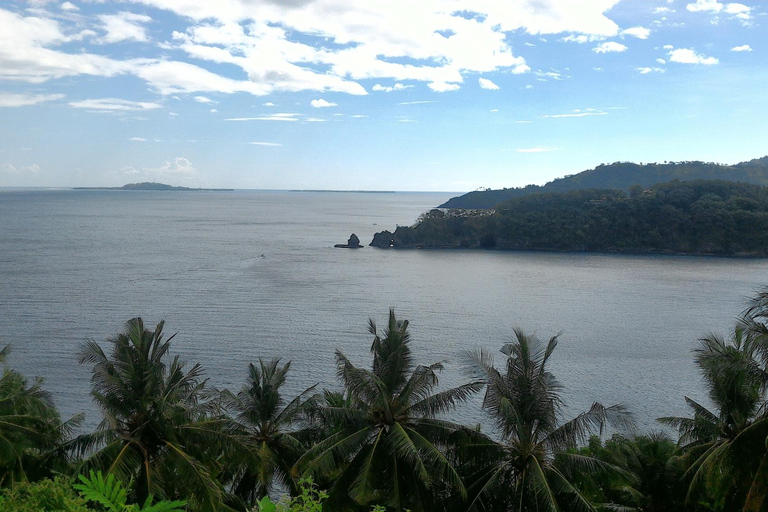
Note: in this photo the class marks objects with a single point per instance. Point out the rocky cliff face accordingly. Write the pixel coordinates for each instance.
(383, 239)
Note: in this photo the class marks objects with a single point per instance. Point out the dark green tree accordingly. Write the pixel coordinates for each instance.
(160, 429)
(526, 470)
(386, 444)
(267, 428)
(31, 430)
(726, 446)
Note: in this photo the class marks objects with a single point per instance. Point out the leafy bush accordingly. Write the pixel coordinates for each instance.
(112, 496)
(43, 496)
(310, 500)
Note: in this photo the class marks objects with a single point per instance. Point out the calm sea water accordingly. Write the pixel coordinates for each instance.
(247, 274)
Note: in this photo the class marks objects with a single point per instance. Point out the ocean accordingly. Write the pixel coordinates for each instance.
(248, 274)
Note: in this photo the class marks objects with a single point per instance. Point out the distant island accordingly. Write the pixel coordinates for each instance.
(679, 217)
(621, 176)
(147, 185)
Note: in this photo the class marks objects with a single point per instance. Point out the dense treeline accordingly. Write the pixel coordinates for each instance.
(621, 176)
(696, 217)
(385, 441)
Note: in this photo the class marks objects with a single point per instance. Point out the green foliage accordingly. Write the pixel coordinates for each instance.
(108, 492)
(112, 496)
(621, 176)
(530, 468)
(44, 496)
(158, 430)
(30, 429)
(309, 499)
(265, 424)
(383, 442)
(702, 217)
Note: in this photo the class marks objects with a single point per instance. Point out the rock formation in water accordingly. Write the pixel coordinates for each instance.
(383, 239)
(352, 243)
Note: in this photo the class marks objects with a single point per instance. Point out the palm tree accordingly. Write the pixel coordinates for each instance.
(30, 428)
(386, 445)
(265, 424)
(526, 470)
(157, 422)
(651, 476)
(726, 446)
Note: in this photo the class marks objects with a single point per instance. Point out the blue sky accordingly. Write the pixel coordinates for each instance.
(446, 95)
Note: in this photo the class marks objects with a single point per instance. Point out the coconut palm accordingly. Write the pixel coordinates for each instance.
(156, 423)
(30, 428)
(266, 427)
(651, 477)
(526, 469)
(727, 446)
(386, 445)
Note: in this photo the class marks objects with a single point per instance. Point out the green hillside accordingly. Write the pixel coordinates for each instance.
(691, 217)
(621, 176)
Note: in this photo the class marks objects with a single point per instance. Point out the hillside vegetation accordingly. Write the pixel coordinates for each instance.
(693, 217)
(621, 176)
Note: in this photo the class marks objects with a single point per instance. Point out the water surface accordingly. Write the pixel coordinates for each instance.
(246, 274)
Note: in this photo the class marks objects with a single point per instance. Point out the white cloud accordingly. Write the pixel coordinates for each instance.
(321, 103)
(179, 166)
(638, 32)
(417, 102)
(397, 87)
(538, 149)
(266, 42)
(123, 26)
(268, 104)
(69, 6)
(742, 48)
(667, 46)
(213, 111)
(487, 84)
(660, 10)
(739, 11)
(269, 144)
(443, 86)
(555, 75)
(12, 169)
(203, 99)
(690, 56)
(577, 113)
(660, 61)
(494, 110)
(358, 116)
(23, 100)
(268, 117)
(705, 6)
(609, 47)
(645, 71)
(114, 105)
(173, 114)
(138, 139)
(582, 38)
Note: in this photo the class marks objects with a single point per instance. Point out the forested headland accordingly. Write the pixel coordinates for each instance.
(685, 217)
(622, 176)
(386, 438)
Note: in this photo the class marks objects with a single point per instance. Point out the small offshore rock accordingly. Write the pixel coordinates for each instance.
(352, 243)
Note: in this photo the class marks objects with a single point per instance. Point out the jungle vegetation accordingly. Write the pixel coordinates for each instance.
(386, 440)
(690, 217)
(622, 176)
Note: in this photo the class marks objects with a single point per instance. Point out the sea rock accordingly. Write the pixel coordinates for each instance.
(352, 243)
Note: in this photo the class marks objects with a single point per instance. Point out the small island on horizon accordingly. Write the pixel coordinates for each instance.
(148, 185)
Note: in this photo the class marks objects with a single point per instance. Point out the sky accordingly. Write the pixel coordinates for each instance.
(434, 95)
